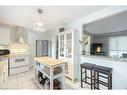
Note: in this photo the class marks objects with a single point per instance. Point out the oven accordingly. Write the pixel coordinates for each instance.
(18, 64)
(17, 61)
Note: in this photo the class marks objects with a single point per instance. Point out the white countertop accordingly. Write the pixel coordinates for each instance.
(49, 61)
(104, 58)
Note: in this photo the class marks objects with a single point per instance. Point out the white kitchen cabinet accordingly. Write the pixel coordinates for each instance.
(117, 46)
(4, 36)
(122, 43)
(68, 51)
(113, 43)
(113, 53)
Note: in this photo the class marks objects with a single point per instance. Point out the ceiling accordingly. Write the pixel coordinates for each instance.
(52, 16)
(111, 24)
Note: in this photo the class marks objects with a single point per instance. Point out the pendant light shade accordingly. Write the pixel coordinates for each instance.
(39, 25)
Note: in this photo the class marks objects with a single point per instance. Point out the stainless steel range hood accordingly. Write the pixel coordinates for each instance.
(19, 36)
(19, 44)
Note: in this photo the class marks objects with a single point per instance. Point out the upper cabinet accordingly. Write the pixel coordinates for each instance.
(113, 43)
(118, 43)
(68, 45)
(65, 44)
(4, 36)
(13, 34)
(122, 43)
(62, 45)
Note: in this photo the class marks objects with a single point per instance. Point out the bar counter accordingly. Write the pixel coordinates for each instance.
(119, 77)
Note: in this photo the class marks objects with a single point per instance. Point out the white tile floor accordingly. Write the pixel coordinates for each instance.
(26, 81)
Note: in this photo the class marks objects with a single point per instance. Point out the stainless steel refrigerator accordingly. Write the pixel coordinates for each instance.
(42, 48)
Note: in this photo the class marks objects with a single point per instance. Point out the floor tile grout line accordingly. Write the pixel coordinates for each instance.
(17, 81)
(28, 80)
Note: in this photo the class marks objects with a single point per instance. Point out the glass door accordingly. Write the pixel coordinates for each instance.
(62, 38)
(68, 45)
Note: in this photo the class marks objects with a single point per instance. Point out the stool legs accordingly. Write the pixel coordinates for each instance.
(110, 81)
(94, 79)
(97, 74)
(84, 79)
(97, 81)
(85, 75)
(91, 79)
(81, 79)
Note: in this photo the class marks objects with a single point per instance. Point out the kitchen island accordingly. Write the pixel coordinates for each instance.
(119, 77)
(52, 69)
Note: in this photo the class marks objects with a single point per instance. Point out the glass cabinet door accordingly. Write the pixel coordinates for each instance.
(69, 45)
(62, 45)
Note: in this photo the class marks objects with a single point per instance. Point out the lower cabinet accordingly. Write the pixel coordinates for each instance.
(4, 36)
(18, 70)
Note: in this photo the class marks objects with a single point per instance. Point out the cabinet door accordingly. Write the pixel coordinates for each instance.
(113, 53)
(62, 45)
(69, 45)
(113, 43)
(4, 36)
(122, 43)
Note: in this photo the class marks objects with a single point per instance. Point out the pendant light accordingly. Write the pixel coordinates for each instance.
(39, 25)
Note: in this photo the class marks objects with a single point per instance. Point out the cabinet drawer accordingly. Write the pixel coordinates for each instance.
(13, 65)
(19, 70)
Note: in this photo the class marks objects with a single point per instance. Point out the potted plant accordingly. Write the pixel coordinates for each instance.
(84, 42)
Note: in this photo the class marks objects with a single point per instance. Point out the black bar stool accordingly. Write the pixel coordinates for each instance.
(100, 74)
(87, 66)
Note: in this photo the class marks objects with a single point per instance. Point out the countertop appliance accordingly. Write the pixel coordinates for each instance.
(42, 48)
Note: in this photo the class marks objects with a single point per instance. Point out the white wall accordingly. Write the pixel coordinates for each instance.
(78, 24)
(107, 12)
(53, 46)
(32, 37)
